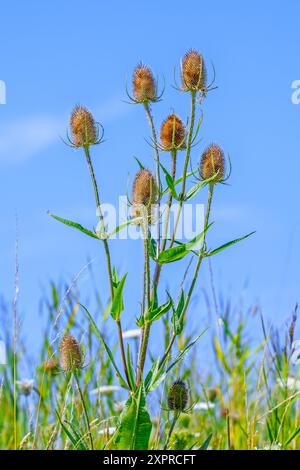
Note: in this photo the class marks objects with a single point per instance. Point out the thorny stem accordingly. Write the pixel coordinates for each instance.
(174, 421)
(154, 139)
(107, 254)
(146, 326)
(186, 162)
(169, 204)
(196, 272)
(86, 416)
(146, 329)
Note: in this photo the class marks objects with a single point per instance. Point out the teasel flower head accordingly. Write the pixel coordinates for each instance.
(143, 84)
(172, 133)
(193, 71)
(144, 196)
(212, 165)
(50, 366)
(84, 129)
(70, 354)
(178, 396)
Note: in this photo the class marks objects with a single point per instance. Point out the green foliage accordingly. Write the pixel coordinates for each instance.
(134, 430)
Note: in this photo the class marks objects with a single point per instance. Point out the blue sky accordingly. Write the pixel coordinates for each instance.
(57, 54)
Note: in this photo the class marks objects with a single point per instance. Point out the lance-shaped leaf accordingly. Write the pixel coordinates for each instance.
(79, 227)
(177, 181)
(76, 440)
(161, 373)
(154, 314)
(152, 375)
(227, 245)
(152, 247)
(193, 191)
(117, 304)
(177, 320)
(120, 227)
(205, 444)
(170, 183)
(134, 430)
(130, 367)
(178, 252)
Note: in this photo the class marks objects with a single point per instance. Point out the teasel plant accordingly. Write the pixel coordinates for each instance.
(150, 189)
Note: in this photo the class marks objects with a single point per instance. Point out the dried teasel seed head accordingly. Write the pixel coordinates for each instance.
(143, 83)
(212, 163)
(178, 396)
(144, 194)
(193, 71)
(172, 133)
(83, 127)
(51, 365)
(70, 353)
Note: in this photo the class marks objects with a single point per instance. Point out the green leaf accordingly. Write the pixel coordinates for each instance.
(80, 442)
(185, 351)
(161, 375)
(74, 225)
(152, 375)
(177, 181)
(156, 313)
(170, 182)
(130, 367)
(152, 247)
(117, 304)
(233, 242)
(121, 226)
(177, 322)
(205, 444)
(139, 163)
(108, 351)
(73, 439)
(134, 430)
(178, 252)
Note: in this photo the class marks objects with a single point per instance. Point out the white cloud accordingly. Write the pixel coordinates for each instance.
(22, 139)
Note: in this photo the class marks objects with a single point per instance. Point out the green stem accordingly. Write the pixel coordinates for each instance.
(84, 409)
(186, 162)
(174, 421)
(169, 204)
(146, 327)
(107, 254)
(100, 215)
(157, 165)
(196, 272)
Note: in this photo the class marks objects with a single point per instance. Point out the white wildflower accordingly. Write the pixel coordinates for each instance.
(204, 406)
(291, 383)
(110, 430)
(25, 386)
(106, 390)
(132, 333)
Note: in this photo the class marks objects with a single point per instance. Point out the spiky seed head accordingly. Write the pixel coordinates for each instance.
(193, 71)
(70, 353)
(143, 83)
(83, 127)
(144, 194)
(212, 163)
(178, 396)
(51, 365)
(172, 133)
